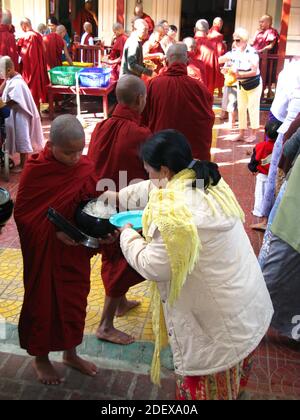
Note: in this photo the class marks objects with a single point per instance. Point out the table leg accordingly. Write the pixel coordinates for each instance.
(105, 106)
(51, 104)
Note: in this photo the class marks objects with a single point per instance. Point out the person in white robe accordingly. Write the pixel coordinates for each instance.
(24, 133)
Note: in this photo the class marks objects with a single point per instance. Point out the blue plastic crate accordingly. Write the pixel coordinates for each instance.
(95, 77)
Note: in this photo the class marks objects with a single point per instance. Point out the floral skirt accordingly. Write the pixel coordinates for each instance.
(226, 385)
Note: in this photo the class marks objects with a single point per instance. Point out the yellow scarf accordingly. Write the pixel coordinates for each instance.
(168, 211)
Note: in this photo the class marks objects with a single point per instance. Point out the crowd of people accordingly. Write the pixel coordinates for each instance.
(211, 299)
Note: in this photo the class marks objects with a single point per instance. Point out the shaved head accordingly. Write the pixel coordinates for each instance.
(218, 22)
(177, 53)
(118, 26)
(190, 43)
(129, 88)
(26, 22)
(6, 64)
(6, 17)
(88, 26)
(61, 29)
(140, 23)
(66, 129)
(139, 10)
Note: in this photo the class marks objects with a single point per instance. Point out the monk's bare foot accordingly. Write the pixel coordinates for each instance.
(46, 373)
(17, 169)
(125, 307)
(114, 336)
(76, 362)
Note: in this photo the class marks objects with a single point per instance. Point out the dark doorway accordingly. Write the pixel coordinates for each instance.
(192, 10)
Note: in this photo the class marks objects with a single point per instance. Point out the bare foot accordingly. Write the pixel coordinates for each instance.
(17, 170)
(76, 362)
(251, 139)
(125, 307)
(114, 336)
(259, 226)
(46, 373)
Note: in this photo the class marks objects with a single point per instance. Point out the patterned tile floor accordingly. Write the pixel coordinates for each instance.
(276, 373)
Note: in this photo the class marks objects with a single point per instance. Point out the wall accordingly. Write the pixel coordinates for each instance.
(293, 45)
(107, 14)
(35, 10)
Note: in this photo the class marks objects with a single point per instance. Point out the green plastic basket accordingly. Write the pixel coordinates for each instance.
(64, 76)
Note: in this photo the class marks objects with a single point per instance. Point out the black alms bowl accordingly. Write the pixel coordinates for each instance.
(92, 226)
(6, 206)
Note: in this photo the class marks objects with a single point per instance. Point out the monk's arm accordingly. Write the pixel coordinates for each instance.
(268, 47)
(67, 54)
(133, 65)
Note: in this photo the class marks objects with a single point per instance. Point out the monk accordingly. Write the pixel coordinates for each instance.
(217, 37)
(56, 269)
(176, 101)
(86, 14)
(153, 50)
(196, 68)
(139, 13)
(33, 64)
(115, 147)
(8, 45)
(207, 52)
(115, 57)
(55, 45)
(266, 39)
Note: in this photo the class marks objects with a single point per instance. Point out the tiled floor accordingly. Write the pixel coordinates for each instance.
(276, 373)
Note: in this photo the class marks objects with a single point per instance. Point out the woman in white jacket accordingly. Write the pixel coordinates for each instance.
(208, 292)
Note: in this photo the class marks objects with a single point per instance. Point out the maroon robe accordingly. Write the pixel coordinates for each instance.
(207, 53)
(33, 65)
(114, 147)
(176, 101)
(150, 22)
(196, 68)
(56, 276)
(54, 45)
(218, 38)
(82, 17)
(264, 38)
(156, 48)
(8, 45)
(117, 52)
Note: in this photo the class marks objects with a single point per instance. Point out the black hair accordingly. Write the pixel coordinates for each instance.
(271, 129)
(174, 28)
(53, 20)
(170, 148)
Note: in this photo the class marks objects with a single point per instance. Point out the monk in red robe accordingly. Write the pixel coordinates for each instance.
(55, 44)
(56, 269)
(207, 53)
(115, 147)
(152, 49)
(115, 57)
(217, 37)
(139, 13)
(33, 65)
(86, 14)
(8, 45)
(196, 68)
(176, 101)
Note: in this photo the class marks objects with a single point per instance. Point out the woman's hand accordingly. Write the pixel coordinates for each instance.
(66, 239)
(128, 226)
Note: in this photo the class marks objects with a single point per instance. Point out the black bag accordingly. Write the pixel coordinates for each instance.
(250, 84)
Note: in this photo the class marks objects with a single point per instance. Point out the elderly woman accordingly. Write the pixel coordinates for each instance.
(208, 293)
(245, 62)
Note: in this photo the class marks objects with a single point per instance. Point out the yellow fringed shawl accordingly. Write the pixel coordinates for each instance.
(168, 211)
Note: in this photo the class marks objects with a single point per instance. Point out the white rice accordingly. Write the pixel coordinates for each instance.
(97, 208)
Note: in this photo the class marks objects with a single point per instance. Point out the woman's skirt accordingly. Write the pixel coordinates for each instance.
(227, 385)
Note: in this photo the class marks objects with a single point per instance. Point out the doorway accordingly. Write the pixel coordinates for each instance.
(192, 10)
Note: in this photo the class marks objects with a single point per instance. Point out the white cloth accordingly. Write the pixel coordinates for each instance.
(91, 40)
(261, 182)
(23, 127)
(293, 109)
(245, 60)
(288, 80)
(224, 309)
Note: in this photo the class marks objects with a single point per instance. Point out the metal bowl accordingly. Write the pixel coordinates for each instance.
(6, 206)
(92, 226)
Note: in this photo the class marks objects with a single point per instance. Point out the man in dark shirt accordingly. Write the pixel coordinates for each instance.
(133, 60)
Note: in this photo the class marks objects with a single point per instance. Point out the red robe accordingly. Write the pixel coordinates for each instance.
(218, 38)
(8, 45)
(176, 101)
(117, 52)
(155, 49)
(33, 65)
(56, 276)
(207, 53)
(54, 49)
(82, 17)
(150, 22)
(196, 68)
(115, 147)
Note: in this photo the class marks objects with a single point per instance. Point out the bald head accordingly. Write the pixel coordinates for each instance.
(6, 17)
(61, 30)
(65, 130)
(88, 27)
(190, 44)
(140, 23)
(129, 88)
(6, 66)
(218, 23)
(139, 10)
(26, 24)
(177, 53)
(141, 28)
(118, 29)
(202, 26)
